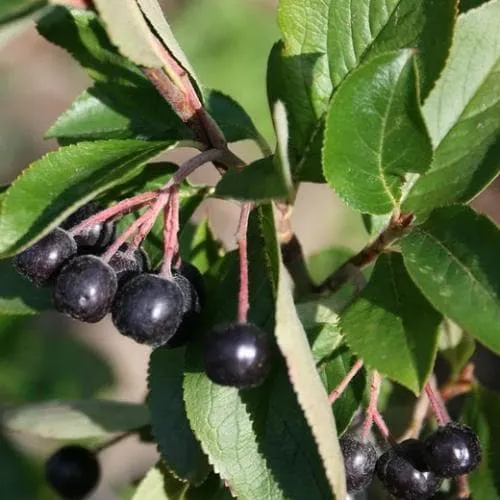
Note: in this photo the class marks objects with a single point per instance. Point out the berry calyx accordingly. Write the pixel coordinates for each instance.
(128, 264)
(237, 355)
(85, 288)
(73, 472)
(404, 471)
(359, 462)
(41, 262)
(148, 309)
(94, 238)
(453, 449)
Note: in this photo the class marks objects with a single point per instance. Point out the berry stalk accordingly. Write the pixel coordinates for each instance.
(170, 230)
(372, 405)
(243, 302)
(437, 404)
(337, 392)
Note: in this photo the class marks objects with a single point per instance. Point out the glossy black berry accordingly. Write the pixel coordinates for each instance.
(453, 449)
(73, 472)
(148, 309)
(85, 288)
(128, 264)
(405, 473)
(41, 262)
(196, 279)
(359, 462)
(237, 355)
(94, 238)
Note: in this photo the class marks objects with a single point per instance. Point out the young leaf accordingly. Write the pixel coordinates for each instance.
(70, 420)
(258, 181)
(10, 10)
(392, 327)
(257, 440)
(375, 134)
(18, 296)
(332, 371)
(448, 259)
(481, 413)
(176, 441)
(57, 184)
(152, 10)
(463, 114)
(129, 31)
(292, 341)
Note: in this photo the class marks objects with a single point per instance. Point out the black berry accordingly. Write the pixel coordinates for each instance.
(85, 288)
(359, 462)
(196, 279)
(237, 355)
(453, 450)
(73, 472)
(92, 239)
(148, 309)
(128, 264)
(405, 473)
(41, 262)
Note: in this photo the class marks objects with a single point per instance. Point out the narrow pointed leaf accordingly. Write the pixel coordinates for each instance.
(57, 184)
(453, 258)
(75, 419)
(463, 115)
(307, 384)
(176, 441)
(392, 327)
(375, 134)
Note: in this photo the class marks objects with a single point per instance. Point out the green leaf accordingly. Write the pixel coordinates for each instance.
(392, 316)
(481, 413)
(333, 371)
(18, 296)
(160, 484)
(457, 271)
(324, 339)
(375, 134)
(292, 341)
(258, 181)
(381, 26)
(321, 264)
(257, 440)
(115, 111)
(176, 441)
(463, 115)
(70, 420)
(82, 34)
(198, 245)
(233, 120)
(57, 184)
(10, 10)
(324, 41)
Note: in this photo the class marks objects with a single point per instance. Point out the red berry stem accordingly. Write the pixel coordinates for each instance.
(437, 404)
(463, 492)
(379, 421)
(243, 302)
(372, 405)
(337, 392)
(170, 230)
(120, 208)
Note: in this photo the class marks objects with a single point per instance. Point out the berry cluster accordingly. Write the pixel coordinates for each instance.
(153, 308)
(413, 469)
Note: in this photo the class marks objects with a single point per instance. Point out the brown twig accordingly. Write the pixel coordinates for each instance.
(392, 232)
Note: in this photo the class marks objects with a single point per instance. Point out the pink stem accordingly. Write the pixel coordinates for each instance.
(118, 209)
(463, 487)
(372, 405)
(379, 421)
(437, 405)
(337, 392)
(170, 230)
(243, 303)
